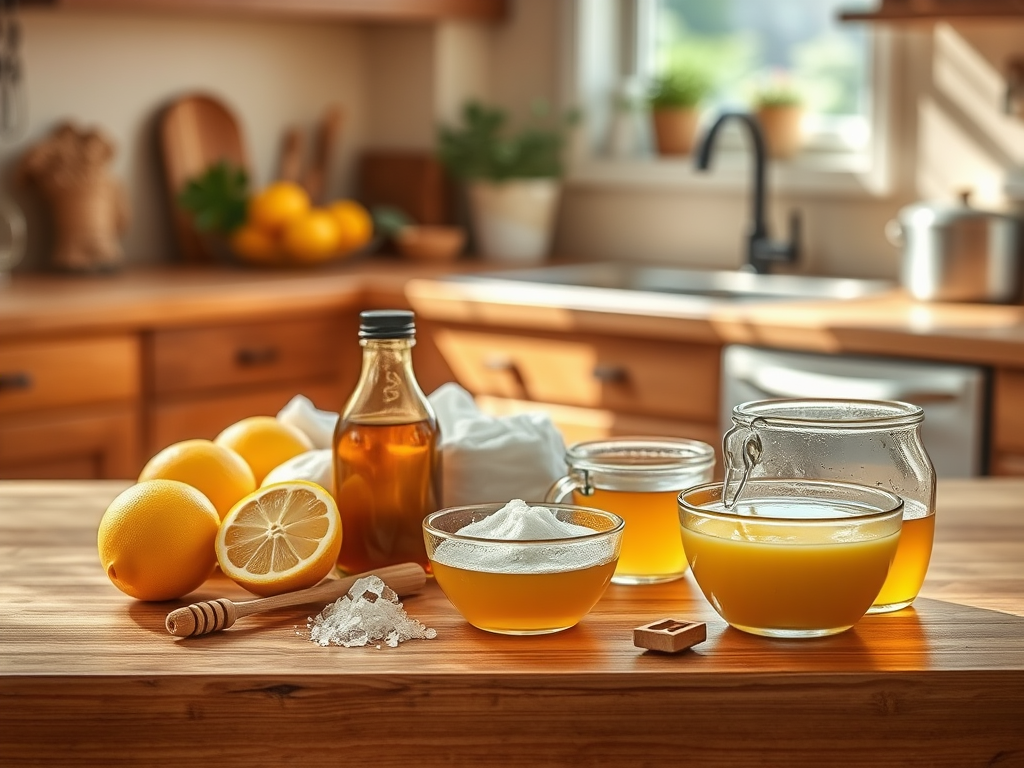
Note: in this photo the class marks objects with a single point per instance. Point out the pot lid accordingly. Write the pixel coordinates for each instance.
(942, 213)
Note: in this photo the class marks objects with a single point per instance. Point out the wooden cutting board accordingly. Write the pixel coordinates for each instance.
(196, 131)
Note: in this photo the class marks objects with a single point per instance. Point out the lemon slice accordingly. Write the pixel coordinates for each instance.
(280, 538)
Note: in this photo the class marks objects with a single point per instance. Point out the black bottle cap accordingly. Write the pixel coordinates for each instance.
(386, 324)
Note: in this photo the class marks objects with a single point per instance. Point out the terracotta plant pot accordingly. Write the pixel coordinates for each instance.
(514, 220)
(675, 130)
(783, 132)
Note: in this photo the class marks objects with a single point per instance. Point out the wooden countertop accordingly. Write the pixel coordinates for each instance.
(142, 298)
(889, 324)
(171, 294)
(90, 677)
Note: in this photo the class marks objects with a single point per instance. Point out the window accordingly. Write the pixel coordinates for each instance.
(839, 69)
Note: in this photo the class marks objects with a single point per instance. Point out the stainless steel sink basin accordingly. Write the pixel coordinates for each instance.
(615, 280)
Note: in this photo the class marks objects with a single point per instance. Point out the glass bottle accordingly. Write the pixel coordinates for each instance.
(868, 442)
(387, 467)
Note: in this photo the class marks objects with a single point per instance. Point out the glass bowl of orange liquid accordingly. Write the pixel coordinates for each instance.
(503, 583)
(791, 558)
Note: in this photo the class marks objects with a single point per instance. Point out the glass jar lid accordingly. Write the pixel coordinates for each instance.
(828, 414)
(640, 463)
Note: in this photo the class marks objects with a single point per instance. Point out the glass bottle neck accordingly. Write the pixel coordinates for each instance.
(387, 391)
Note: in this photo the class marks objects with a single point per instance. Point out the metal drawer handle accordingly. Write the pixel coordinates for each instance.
(15, 380)
(499, 363)
(610, 374)
(253, 356)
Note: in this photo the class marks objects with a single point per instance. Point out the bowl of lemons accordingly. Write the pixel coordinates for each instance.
(278, 225)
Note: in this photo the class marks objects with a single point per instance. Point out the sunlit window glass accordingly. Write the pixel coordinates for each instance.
(755, 49)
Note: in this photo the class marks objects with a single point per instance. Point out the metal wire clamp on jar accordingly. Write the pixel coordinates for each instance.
(868, 442)
(638, 479)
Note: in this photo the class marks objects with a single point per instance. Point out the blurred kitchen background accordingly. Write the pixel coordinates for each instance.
(897, 111)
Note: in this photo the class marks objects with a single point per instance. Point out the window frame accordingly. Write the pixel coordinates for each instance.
(595, 32)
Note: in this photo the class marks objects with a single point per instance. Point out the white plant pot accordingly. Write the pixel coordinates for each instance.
(514, 220)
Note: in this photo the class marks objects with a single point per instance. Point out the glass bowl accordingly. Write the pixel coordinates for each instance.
(523, 587)
(791, 558)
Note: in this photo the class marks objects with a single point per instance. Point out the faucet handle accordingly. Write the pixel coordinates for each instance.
(796, 227)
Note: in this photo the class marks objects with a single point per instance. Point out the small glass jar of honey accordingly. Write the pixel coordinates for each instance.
(638, 479)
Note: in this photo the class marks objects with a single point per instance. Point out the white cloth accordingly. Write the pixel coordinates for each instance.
(304, 416)
(494, 458)
(484, 458)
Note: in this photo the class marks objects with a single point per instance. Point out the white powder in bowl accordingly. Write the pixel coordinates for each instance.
(517, 521)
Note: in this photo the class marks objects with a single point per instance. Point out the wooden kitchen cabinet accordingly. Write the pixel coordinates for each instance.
(201, 379)
(592, 385)
(69, 407)
(1007, 438)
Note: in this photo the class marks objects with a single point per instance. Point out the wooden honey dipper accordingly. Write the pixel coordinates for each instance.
(215, 615)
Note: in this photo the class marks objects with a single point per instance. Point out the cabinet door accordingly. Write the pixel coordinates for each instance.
(579, 424)
(93, 444)
(205, 416)
(662, 379)
(1007, 457)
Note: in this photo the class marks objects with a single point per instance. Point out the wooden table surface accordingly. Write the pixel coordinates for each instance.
(90, 677)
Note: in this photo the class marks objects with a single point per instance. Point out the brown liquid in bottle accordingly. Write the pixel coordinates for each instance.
(386, 477)
(387, 465)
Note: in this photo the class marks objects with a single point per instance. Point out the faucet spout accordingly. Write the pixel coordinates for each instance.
(761, 251)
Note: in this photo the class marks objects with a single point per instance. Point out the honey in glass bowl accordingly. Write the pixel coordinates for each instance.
(791, 558)
(517, 586)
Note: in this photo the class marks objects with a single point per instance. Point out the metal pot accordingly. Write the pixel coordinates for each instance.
(953, 252)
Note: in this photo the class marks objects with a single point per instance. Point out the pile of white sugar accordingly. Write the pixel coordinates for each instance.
(368, 614)
(517, 521)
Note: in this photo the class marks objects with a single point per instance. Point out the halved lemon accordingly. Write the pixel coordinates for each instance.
(280, 538)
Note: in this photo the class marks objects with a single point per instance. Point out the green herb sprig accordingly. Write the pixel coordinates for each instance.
(217, 199)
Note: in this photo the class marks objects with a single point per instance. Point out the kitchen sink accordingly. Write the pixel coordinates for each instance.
(616, 279)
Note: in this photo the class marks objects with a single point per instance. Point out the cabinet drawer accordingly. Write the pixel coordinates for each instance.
(95, 443)
(205, 417)
(192, 359)
(53, 373)
(1008, 412)
(659, 378)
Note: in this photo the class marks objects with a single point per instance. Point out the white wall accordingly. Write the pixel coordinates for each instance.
(117, 70)
(397, 82)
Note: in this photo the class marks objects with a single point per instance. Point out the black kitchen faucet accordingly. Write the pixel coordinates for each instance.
(762, 251)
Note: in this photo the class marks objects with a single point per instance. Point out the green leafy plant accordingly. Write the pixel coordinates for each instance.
(680, 88)
(483, 147)
(779, 95)
(389, 221)
(217, 199)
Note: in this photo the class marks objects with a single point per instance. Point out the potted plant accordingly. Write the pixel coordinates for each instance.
(513, 180)
(779, 109)
(674, 99)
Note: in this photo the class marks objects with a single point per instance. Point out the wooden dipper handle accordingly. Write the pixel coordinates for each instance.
(214, 615)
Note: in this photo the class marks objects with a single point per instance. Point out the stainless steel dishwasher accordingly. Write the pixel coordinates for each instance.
(953, 396)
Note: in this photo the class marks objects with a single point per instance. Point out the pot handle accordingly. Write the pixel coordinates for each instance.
(894, 233)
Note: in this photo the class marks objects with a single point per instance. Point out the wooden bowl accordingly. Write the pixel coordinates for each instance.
(431, 243)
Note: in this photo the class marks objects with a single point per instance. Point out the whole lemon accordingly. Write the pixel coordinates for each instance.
(313, 237)
(255, 245)
(217, 472)
(156, 540)
(264, 442)
(277, 204)
(355, 222)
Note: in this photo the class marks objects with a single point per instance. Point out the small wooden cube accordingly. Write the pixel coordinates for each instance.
(670, 635)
